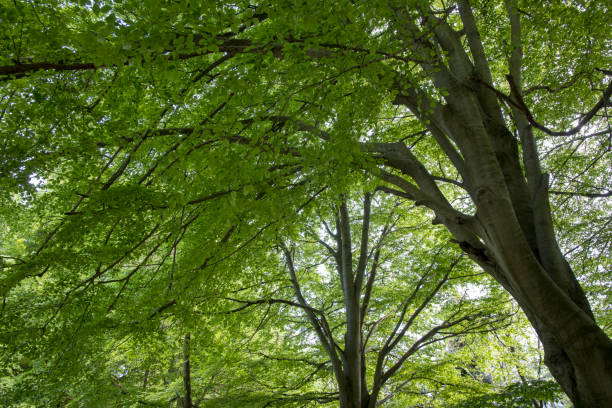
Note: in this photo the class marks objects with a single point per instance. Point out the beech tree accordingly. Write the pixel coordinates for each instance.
(146, 143)
(371, 337)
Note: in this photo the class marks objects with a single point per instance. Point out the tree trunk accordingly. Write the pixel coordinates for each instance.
(582, 381)
(577, 351)
(580, 359)
(511, 235)
(348, 400)
(187, 403)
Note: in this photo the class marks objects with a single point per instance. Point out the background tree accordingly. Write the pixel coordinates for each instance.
(366, 331)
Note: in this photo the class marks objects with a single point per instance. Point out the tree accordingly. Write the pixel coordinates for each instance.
(377, 335)
(181, 132)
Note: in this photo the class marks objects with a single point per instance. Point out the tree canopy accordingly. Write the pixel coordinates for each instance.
(161, 158)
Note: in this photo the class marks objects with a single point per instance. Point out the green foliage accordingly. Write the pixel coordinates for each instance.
(518, 395)
(153, 153)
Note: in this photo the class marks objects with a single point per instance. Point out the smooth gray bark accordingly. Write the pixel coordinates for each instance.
(511, 235)
(347, 357)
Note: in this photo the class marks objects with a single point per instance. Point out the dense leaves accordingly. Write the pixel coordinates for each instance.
(156, 157)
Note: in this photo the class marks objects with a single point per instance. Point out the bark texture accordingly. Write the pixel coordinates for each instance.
(511, 235)
(357, 278)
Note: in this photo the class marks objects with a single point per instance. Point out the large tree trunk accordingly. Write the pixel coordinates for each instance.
(577, 352)
(512, 239)
(511, 235)
(349, 399)
(582, 381)
(525, 259)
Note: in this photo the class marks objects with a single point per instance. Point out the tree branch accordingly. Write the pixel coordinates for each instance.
(249, 303)
(363, 252)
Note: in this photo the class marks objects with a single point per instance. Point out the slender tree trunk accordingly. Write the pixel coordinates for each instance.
(145, 380)
(187, 403)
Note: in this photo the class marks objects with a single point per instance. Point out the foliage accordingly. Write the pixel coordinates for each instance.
(518, 395)
(154, 152)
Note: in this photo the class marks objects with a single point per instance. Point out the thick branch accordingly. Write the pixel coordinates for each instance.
(473, 36)
(418, 344)
(369, 285)
(321, 327)
(249, 303)
(365, 234)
